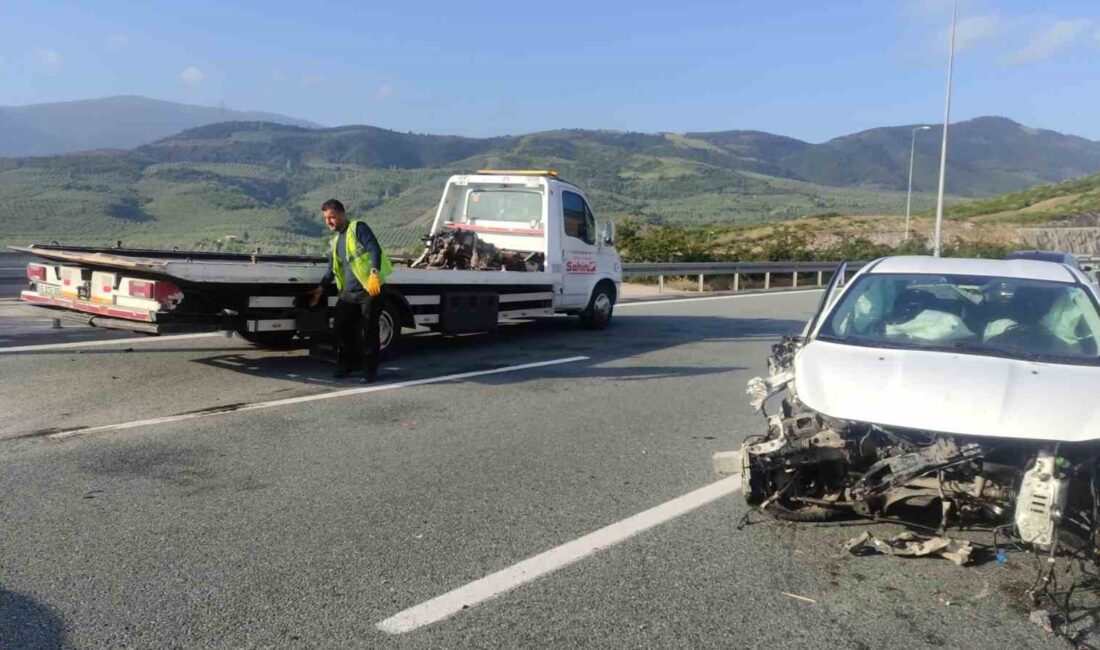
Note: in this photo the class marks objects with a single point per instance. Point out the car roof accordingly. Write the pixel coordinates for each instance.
(1029, 269)
(1044, 256)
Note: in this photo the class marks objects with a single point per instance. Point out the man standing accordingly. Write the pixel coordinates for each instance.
(358, 267)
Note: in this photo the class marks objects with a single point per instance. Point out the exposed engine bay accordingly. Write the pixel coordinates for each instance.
(809, 467)
(457, 249)
(1039, 495)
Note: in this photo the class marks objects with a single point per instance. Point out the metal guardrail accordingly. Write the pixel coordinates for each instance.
(725, 268)
(737, 269)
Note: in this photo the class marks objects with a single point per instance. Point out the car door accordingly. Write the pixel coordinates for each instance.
(580, 259)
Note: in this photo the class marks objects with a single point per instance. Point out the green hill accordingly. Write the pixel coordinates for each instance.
(1073, 200)
(239, 185)
(987, 155)
(242, 185)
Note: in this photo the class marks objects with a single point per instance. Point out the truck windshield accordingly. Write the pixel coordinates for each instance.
(1013, 317)
(480, 205)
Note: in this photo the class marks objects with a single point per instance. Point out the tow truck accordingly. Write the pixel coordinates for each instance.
(504, 245)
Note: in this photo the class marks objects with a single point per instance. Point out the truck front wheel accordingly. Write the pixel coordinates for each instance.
(600, 307)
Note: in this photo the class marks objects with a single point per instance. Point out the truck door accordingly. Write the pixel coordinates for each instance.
(579, 251)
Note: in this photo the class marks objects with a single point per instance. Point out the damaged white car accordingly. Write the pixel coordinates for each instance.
(974, 384)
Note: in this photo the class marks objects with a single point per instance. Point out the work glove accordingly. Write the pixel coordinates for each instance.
(374, 284)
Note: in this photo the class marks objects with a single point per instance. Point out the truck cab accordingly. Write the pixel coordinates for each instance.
(540, 216)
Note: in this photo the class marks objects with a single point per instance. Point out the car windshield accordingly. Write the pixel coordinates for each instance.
(1014, 317)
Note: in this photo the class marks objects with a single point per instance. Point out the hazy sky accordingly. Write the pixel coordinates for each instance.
(811, 69)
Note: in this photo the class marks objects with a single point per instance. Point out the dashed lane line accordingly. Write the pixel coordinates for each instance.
(519, 574)
(255, 406)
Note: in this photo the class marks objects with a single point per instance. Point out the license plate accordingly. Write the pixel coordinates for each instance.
(51, 290)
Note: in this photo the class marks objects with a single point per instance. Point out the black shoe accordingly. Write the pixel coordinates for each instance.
(369, 375)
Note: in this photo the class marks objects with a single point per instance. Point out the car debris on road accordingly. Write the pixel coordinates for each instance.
(909, 544)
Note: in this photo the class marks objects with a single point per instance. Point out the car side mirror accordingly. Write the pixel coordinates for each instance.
(608, 236)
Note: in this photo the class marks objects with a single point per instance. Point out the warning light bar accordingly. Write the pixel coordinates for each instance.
(519, 172)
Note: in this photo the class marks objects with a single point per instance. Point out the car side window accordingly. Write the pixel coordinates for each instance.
(577, 218)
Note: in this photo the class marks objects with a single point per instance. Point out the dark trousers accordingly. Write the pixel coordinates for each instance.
(356, 329)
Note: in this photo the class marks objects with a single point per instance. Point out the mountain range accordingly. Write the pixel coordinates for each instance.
(121, 122)
(259, 182)
(988, 155)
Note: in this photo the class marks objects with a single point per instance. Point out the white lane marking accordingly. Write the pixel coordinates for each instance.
(556, 558)
(675, 301)
(309, 398)
(130, 341)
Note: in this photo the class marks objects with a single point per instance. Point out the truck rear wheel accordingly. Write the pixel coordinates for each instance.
(600, 307)
(389, 327)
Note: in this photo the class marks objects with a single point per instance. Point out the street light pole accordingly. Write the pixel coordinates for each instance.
(943, 148)
(909, 196)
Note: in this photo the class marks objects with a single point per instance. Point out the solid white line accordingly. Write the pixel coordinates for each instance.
(131, 341)
(673, 301)
(556, 558)
(308, 398)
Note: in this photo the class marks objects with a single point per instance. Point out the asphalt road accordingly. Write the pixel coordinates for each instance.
(308, 522)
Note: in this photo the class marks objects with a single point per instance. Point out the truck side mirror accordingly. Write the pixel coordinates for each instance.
(608, 236)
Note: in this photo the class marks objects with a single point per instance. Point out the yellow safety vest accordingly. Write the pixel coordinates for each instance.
(359, 260)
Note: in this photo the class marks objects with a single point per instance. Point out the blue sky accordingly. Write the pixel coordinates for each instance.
(807, 68)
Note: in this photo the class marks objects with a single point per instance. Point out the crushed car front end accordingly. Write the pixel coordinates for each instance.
(963, 385)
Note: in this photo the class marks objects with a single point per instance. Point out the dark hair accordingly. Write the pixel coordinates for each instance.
(332, 204)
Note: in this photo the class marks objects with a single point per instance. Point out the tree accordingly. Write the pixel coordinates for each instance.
(664, 244)
(786, 244)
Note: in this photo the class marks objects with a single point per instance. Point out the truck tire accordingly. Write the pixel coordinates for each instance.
(389, 328)
(600, 307)
(271, 340)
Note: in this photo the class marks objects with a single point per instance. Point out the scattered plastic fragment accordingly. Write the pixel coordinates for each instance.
(908, 544)
(1041, 617)
(796, 596)
(1002, 557)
